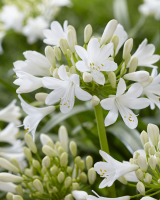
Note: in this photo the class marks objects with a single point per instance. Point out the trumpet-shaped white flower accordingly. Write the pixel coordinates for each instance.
(34, 115)
(12, 17)
(145, 56)
(27, 82)
(34, 29)
(35, 64)
(152, 91)
(112, 169)
(11, 113)
(56, 33)
(8, 187)
(123, 103)
(151, 7)
(94, 60)
(79, 195)
(65, 90)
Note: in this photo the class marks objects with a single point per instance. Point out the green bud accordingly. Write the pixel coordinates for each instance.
(27, 154)
(144, 137)
(68, 182)
(142, 162)
(95, 100)
(91, 175)
(83, 177)
(57, 53)
(57, 145)
(69, 54)
(60, 177)
(55, 73)
(51, 144)
(50, 55)
(69, 197)
(75, 186)
(38, 185)
(64, 45)
(64, 159)
(60, 150)
(82, 165)
(8, 166)
(123, 180)
(131, 160)
(148, 178)
(153, 132)
(73, 148)
(127, 48)
(46, 161)
(54, 170)
(127, 60)
(89, 162)
(123, 70)
(41, 96)
(77, 160)
(72, 40)
(73, 70)
(133, 65)
(49, 151)
(87, 77)
(115, 40)
(15, 162)
(30, 143)
(141, 188)
(152, 162)
(140, 174)
(147, 146)
(69, 170)
(9, 196)
(112, 79)
(19, 190)
(158, 154)
(17, 197)
(135, 155)
(152, 151)
(158, 180)
(55, 190)
(87, 33)
(28, 172)
(44, 170)
(36, 164)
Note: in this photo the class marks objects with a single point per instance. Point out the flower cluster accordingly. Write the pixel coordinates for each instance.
(59, 175)
(29, 18)
(143, 168)
(89, 72)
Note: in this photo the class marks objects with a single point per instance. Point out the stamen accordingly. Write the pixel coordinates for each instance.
(68, 106)
(95, 193)
(26, 130)
(65, 103)
(102, 64)
(124, 116)
(101, 170)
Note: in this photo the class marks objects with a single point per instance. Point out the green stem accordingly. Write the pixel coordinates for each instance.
(103, 140)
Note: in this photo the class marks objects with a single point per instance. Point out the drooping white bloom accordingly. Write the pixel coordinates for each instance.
(27, 82)
(11, 113)
(34, 115)
(56, 33)
(145, 56)
(112, 169)
(8, 187)
(79, 195)
(2, 34)
(65, 90)
(152, 91)
(94, 60)
(123, 103)
(151, 7)
(12, 17)
(35, 64)
(34, 29)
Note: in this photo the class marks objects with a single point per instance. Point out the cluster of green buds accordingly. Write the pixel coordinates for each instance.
(55, 176)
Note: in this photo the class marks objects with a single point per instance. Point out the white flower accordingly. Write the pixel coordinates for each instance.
(2, 34)
(79, 195)
(60, 2)
(65, 90)
(27, 82)
(56, 33)
(34, 115)
(8, 187)
(152, 91)
(131, 177)
(138, 76)
(94, 60)
(148, 198)
(123, 103)
(11, 113)
(112, 169)
(91, 197)
(151, 7)
(34, 29)
(12, 17)
(35, 64)
(145, 56)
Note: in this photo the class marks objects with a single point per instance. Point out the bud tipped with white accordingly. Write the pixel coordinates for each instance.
(27, 154)
(38, 185)
(144, 137)
(147, 146)
(73, 148)
(57, 53)
(152, 151)
(91, 175)
(127, 48)
(142, 162)
(112, 79)
(89, 162)
(83, 177)
(69, 197)
(87, 33)
(7, 165)
(30, 143)
(17, 197)
(140, 174)
(6, 177)
(64, 45)
(71, 37)
(108, 32)
(115, 40)
(64, 159)
(46, 161)
(152, 162)
(87, 77)
(60, 177)
(148, 178)
(9, 196)
(79, 195)
(54, 170)
(50, 55)
(139, 76)
(63, 137)
(67, 181)
(153, 132)
(75, 186)
(95, 100)
(123, 180)
(73, 70)
(41, 96)
(49, 151)
(36, 164)
(147, 82)
(141, 188)
(133, 65)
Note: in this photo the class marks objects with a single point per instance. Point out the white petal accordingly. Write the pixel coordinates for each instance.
(52, 83)
(105, 52)
(139, 76)
(81, 94)
(79, 195)
(8, 187)
(82, 53)
(121, 87)
(108, 103)
(134, 91)
(74, 78)
(98, 77)
(93, 50)
(108, 66)
(63, 73)
(154, 100)
(112, 116)
(55, 96)
(82, 67)
(138, 103)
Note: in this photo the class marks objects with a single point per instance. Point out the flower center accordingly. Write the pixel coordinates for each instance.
(92, 66)
(103, 173)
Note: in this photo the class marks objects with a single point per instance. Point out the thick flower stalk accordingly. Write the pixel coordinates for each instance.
(60, 174)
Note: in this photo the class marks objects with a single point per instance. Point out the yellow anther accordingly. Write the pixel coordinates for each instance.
(68, 106)
(102, 64)
(60, 98)
(106, 178)
(130, 114)
(68, 100)
(101, 170)
(105, 170)
(130, 120)
(60, 103)
(65, 103)
(26, 130)
(92, 63)
(124, 116)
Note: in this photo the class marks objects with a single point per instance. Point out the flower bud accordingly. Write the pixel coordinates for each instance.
(131, 160)
(9, 196)
(148, 178)
(50, 55)
(28, 172)
(64, 159)
(64, 45)
(152, 151)
(55, 73)
(60, 150)
(147, 82)
(30, 143)
(36, 164)
(75, 186)
(135, 155)
(87, 33)
(142, 162)
(91, 175)
(69, 170)
(123, 180)
(6, 177)
(48, 151)
(141, 188)
(69, 54)
(147, 146)
(115, 40)
(7, 165)
(87, 77)
(144, 137)
(71, 37)
(73, 148)
(133, 65)
(108, 31)
(38, 185)
(17, 197)
(140, 174)
(51, 144)
(57, 53)
(158, 180)
(54, 170)
(89, 162)
(139, 76)
(81, 165)
(112, 79)
(45, 138)
(127, 48)
(158, 154)
(19, 190)
(60, 177)
(153, 132)
(67, 181)
(127, 60)
(15, 162)
(63, 137)
(46, 161)
(83, 177)
(73, 70)
(69, 197)
(152, 162)
(95, 100)
(77, 160)
(158, 161)
(80, 195)
(123, 70)
(41, 96)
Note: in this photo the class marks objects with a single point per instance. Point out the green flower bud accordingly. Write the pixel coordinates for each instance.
(144, 137)
(19, 190)
(38, 186)
(28, 172)
(7, 165)
(123, 70)
(71, 37)
(6, 177)
(44, 170)
(89, 162)
(77, 160)
(158, 154)
(49, 151)
(123, 180)
(112, 79)
(57, 145)
(73, 70)
(50, 55)
(152, 162)
(127, 48)
(91, 175)
(82, 165)
(46, 161)
(135, 155)
(115, 40)
(87, 33)
(141, 188)
(51, 144)
(55, 190)
(17, 197)
(60, 150)
(15, 162)
(73, 148)
(140, 174)
(147, 146)
(148, 178)
(64, 159)
(152, 151)
(41, 96)
(75, 186)
(60, 177)
(36, 164)
(153, 132)
(57, 53)
(142, 162)
(9, 196)
(54, 170)
(68, 182)
(69, 54)
(83, 177)
(30, 143)
(131, 160)
(133, 65)
(27, 154)
(158, 180)
(69, 197)
(69, 170)
(64, 45)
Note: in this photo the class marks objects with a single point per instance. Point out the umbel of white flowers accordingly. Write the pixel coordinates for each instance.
(142, 170)
(60, 174)
(89, 73)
